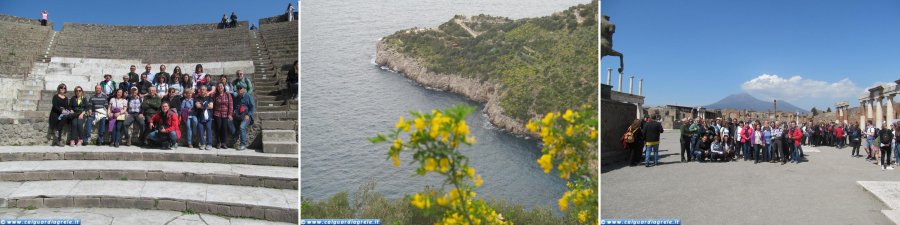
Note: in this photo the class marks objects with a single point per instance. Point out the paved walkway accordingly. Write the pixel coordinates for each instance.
(823, 190)
(127, 216)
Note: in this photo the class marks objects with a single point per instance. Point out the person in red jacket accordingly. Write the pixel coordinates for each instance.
(165, 127)
(795, 134)
(839, 136)
(746, 134)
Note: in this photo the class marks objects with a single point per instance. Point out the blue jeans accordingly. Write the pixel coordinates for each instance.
(768, 154)
(795, 153)
(655, 150)
(694, 146)
(158, 137)
(89, 128)
(897, 152)
(745, 150)
(189, 127)
(243, 129)
(117, 131)
(205, 132)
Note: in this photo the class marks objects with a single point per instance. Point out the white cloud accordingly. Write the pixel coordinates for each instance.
(797, 88)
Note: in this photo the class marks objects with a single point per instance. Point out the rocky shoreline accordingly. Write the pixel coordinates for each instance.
(482, 92)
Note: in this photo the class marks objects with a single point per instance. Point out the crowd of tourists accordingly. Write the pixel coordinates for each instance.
(721, 140)
(161, 107)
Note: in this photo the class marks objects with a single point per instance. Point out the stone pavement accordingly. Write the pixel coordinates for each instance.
(128, 217)
(822, 190)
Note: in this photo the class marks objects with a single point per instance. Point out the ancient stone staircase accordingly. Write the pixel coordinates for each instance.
(279, 122)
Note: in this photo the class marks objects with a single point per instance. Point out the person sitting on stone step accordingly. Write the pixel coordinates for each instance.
(144, 85)
(162, 73)
(107, 86)
(125, 85)
(164, 126)
(97, 116)
(150, 106)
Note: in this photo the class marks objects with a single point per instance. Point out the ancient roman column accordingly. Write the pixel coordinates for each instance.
(641, 87)
(862, 117)
(890, 108)
(608, 76)
(631, 85)
(869, 105)
(879, 115)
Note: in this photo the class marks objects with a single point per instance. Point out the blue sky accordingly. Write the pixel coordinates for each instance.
(144, 12)
(810, 53)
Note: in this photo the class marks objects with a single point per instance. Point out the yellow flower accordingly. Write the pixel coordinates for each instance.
(420, 201)
(445, 165)
(462, 128)
(396, 160)
(470, 171)
(402, 124)
(533, 127)
(419, 123)
(397, 143)
(547, 119)
(563, 202)
(429, 164)
(546, 163)
(568, 116)
(478, 181)
(570, 131)
(593, 134)
(442, 201)
(582, 216)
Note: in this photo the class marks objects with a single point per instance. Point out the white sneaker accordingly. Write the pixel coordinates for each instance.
(890, 168)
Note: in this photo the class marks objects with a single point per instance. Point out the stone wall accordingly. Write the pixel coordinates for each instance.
(615, 117)
(36, 21)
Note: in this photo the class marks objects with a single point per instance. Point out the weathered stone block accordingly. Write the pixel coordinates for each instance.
(30, 202)
(59, 202)
(87, 202)
(144, 203)
(155, 175)
(174, 176)
(87, 175)
(62, 175)
(198, 207)
(171, 205)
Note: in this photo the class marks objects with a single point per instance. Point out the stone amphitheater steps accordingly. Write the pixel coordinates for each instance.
(279, 121)
(225, 156)
(280, 141)
(192, 172)
(113, 216)
(221, 182)
(224, 200)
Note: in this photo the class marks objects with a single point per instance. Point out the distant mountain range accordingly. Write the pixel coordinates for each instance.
(746, 101)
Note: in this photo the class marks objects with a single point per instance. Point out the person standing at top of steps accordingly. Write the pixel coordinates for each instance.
(241, 80)
(162, 73)
(244, 108)
(290, 12)
(149, 106)
(44, 16)
(165, 127)
(150, 75)
(233, 22)
(97, 116)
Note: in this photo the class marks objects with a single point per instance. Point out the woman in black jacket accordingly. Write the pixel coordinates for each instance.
(57, 118)
(80, 108)
(637, 146)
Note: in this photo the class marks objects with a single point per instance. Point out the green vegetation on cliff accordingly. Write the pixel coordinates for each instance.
(543, 64)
